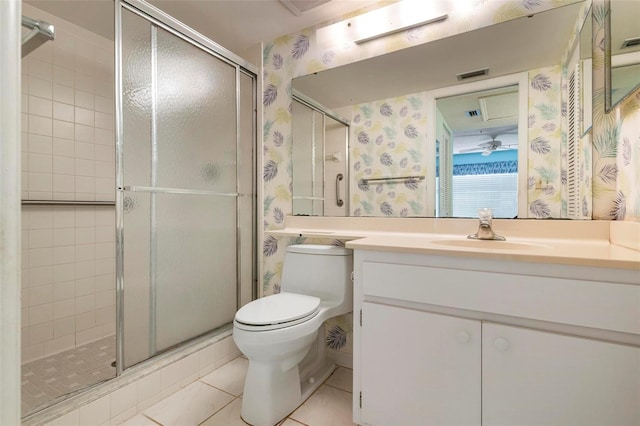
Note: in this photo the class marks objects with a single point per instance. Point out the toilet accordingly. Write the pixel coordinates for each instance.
(281, 334)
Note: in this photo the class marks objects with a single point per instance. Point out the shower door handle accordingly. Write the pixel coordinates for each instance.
(339, 201)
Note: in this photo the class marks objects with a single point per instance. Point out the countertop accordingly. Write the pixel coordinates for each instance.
(567, 252)
(580, 243)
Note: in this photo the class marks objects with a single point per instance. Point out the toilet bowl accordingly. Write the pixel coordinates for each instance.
(281, 334)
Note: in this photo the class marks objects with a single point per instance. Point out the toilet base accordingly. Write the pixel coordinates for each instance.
(318, 378)
(261, 408)
(272, 392)
(315, 368)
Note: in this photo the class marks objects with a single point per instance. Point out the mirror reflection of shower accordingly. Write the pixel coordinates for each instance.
(319, 160)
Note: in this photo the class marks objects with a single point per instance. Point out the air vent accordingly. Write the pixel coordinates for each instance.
(631, 42)
(472, 74)
(473, 113)
(497, 107)
(300, 7)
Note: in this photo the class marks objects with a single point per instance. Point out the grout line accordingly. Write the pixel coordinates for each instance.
(217, 388)
(294, 420)
(153, 420)
(338, 388)
(221, 408)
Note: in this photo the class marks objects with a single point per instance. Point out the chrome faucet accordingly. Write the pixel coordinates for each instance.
(484, 229)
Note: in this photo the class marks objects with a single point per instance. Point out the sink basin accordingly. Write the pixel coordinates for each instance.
(488, 244)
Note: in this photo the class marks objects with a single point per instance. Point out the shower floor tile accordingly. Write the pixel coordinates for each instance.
(49, 378)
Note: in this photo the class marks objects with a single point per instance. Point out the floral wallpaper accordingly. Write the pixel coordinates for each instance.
(545, 142)
(626, 204)
(297, 54)
(616, 140)
(388, 141)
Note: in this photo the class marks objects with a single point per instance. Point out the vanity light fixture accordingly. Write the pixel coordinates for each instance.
(381, 22)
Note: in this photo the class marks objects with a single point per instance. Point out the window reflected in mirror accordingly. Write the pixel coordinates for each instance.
(477, 158)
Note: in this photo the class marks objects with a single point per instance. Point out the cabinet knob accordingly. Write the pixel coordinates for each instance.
(463, 337)
(501, 344)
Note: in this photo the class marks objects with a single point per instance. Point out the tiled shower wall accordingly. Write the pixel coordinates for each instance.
(68, 153)
(68, 277)
(67, 115)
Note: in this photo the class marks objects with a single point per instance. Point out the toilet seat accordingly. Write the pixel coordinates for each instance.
(277, 311)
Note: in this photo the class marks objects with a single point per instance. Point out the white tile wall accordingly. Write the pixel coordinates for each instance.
(68, 124)
(68, 277)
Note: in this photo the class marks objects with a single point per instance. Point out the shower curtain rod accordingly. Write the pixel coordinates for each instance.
(40, 33)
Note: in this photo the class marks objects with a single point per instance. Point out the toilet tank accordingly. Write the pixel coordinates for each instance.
(319, 270)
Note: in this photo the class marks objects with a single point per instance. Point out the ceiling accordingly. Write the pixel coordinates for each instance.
(469, 132)
(238, 25)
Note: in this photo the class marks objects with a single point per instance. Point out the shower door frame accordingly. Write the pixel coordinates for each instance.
(178, 29)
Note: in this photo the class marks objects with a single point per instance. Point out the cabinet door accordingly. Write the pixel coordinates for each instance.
(538, 378)
(419, 368)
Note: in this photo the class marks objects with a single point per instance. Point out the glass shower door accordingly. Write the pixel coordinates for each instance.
(179, 188)
(308, 160)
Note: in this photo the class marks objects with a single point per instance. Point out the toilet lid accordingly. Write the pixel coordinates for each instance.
(278, 309)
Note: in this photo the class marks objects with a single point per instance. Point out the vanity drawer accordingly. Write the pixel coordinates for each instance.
(596, 304)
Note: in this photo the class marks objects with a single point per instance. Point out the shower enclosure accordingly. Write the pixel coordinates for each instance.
(139, 195)
(185, 200)
(320, 153)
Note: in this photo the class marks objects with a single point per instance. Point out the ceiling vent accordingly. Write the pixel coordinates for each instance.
(472, 74)
(473, 113)
(300, 7)
(631, 42)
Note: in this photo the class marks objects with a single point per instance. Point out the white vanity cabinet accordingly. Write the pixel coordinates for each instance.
(427, 373)
(463, 341)
(541, 378)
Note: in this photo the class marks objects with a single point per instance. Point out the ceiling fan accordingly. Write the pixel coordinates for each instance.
(486, 148)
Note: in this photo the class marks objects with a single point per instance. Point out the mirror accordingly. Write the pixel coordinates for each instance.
(477, 152)
(623, 36)
(586, 70)
(319, 154)
(397, 83)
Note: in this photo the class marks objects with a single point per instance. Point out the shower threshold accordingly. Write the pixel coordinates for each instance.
(48, 379)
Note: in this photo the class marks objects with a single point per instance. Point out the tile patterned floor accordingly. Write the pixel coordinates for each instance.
(216, 399)
(49, 378)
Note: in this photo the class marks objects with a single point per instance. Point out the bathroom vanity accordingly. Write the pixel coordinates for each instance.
(451, 333)
(540, 329)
